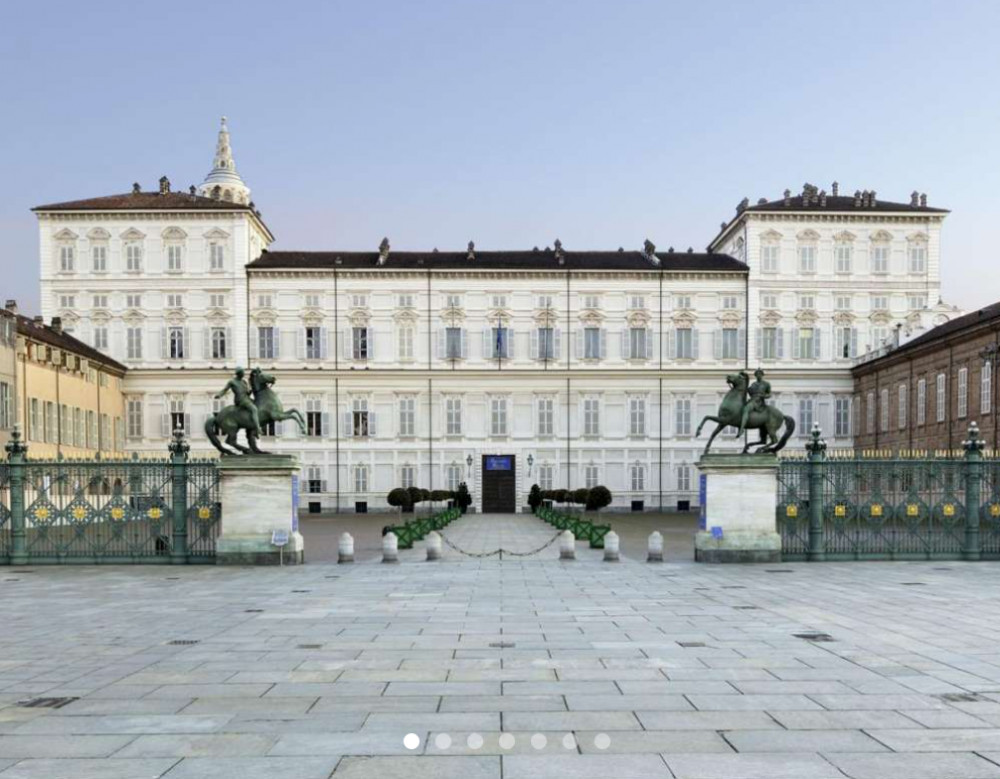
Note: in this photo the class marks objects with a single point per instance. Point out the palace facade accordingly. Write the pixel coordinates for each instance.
(563, 367)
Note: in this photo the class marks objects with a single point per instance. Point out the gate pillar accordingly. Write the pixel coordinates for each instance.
(817, 454)
(973, 446)
(16, 451)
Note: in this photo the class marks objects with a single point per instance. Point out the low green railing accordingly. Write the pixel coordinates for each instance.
(581, 528)
(416, 529)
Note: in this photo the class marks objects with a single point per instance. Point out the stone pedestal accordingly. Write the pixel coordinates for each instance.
(257, 499)
(740, 499)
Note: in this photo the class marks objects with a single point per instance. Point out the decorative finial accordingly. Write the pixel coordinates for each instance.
(471, 255)
(816, 445)
(15, 446)
(973, 443)
(136, 189)
(649, 248)
(164, 185)
(383, 251)
(178, 446)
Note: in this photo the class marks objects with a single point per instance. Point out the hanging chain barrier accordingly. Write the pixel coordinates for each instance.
(500, 552)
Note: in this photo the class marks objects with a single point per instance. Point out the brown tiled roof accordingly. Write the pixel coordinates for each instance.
(842, 203)
(532, 259)
(62, 340)
(145, 201)
(986, 314)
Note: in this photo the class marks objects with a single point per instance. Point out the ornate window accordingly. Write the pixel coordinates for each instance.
(453, 415)
(453, 476)
(133, 257)
(498, 416)
(884, 411)
(682, 416)
(807, 251)
(921, 401)
(963, 392)
(591, 476)
(918, 253)
(842, 417)
(360, 479)
(636, 415)
(901, 406)
(683, 477)
(637, 477)
(940, 397)
(770, 248)
(870, 413)
(986, 388)
(546, 416)
(407, 416)
(591, 416)
(404, 342)
(133, 343)
(216, 256)
(545, 476)
(806, 415)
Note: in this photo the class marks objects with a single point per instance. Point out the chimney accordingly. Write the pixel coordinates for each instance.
(835, 189)
(383, 252)
(857, 198)
(914, 198)
(788, 198)
(923, 200)
(762, 201)
(136, 189)
(471, 251)
(192, 190)
(559, 251)
(164, 185)
(11, 305)
(39, 320)
(822, 198)
(57, 324)
(872, 200)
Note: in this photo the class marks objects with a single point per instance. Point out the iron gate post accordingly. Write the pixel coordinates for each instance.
(973, 480)
(16, 451)
(817, 454)
(179, 449)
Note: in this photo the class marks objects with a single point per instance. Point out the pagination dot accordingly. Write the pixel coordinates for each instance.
(442, 741)
(538, 741)
(474, 741)
(568, 741)
(602, 741)
(411, 741)
(506, 740)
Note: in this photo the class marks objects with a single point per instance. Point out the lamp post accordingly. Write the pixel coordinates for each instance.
(531, 461)
(468, 463)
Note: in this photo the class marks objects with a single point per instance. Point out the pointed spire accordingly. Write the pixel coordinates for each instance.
(223, 182)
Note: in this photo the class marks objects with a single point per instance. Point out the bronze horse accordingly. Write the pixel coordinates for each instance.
(231, 419)
(768, 421)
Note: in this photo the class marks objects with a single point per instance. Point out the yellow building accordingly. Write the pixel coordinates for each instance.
(67, 394)
(8, 384)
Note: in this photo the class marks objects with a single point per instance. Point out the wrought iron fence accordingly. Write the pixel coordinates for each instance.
(877, 505)
(132, 510)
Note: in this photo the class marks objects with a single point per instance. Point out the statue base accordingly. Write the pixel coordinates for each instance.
(258, 499)
(739, 509)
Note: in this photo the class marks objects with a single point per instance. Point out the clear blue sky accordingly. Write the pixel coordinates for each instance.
(509, 123)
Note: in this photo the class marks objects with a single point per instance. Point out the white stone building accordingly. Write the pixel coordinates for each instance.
(569, 368)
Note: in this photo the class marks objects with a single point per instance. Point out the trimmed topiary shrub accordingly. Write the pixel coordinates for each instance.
(415, 495)
(560, 496)
(399, 498)
(598, 497)
(580, 496)
(535, 498)
(439, 495)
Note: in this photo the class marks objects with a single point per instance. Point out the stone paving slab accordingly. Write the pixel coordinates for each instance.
(648, 670)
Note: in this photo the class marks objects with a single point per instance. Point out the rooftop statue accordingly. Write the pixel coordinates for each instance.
(253, 407)
(745, 408)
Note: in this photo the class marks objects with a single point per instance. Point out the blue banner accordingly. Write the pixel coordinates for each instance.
(702, 501)
(499, 463)
(295, 503)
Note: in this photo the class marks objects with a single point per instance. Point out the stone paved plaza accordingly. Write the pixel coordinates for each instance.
(522, 669)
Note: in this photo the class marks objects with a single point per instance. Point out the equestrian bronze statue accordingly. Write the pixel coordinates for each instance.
(745, 408)
(253, 407)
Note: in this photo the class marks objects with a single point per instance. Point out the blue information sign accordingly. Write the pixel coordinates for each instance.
(702, 500)
(499, 463)
(295, 503)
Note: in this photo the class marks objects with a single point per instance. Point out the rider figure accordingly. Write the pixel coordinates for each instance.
(759, 392)
(241, 398)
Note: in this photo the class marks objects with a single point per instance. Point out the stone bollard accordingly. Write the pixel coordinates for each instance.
(567, 545)
(433, 545)
(655, 554)
(345, 551)
(611, 548)
(390, 548)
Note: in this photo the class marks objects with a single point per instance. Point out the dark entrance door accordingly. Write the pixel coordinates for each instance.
(499, 483)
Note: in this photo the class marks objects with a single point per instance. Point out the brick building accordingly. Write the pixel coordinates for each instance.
(925, 393)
